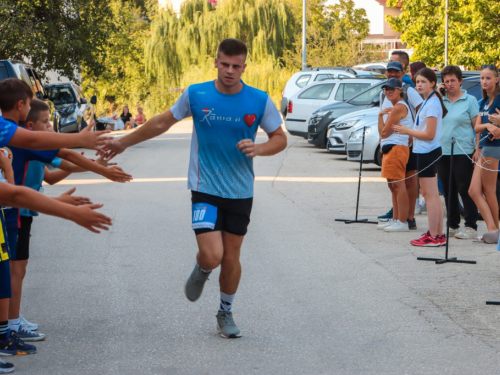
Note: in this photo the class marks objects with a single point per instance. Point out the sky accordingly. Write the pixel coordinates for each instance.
(374, 11)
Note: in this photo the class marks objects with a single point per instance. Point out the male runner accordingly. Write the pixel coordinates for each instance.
(226, 115)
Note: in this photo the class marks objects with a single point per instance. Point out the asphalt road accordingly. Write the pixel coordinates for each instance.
(316, 297)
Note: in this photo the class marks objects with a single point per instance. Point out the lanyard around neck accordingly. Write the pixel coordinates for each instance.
(423, 105)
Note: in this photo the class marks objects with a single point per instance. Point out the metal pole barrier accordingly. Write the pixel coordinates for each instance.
(356, 220)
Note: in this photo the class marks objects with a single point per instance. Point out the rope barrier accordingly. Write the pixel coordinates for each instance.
(480, 166)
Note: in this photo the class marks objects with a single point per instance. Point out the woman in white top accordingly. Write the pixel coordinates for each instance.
(396, 152)
(426, 134)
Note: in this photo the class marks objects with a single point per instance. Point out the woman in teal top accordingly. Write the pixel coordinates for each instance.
(459, 124)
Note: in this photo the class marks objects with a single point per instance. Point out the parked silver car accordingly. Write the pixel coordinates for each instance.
(340, 129)
(371, 152)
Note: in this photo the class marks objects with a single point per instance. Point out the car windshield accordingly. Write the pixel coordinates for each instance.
(366, 97)
(61, 95)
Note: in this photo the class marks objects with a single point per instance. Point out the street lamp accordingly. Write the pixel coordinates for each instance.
(446, 34)
(304, 64)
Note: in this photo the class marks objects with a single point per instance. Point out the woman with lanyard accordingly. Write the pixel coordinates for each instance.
(484, 180)
(396, 153)
(426, 135)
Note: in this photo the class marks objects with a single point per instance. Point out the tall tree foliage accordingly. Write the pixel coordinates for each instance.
(181, 51)
(56, 35)
(474, 29)
(333, 36)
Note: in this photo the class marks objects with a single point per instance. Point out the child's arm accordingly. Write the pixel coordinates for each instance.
(112, 173)
(73, 200)
(23, 138)
(23, 197)
(6, 166)
(54, 177)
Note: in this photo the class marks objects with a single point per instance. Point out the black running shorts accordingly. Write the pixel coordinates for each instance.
(412, 161)
(23, 239)
(233, 215)
(424, 161)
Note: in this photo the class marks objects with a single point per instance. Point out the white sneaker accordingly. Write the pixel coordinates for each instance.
(454, 231)
(383, 224)
(28, 325)
(466, 234)
(423, 205)
(397, 226)
(418, 209)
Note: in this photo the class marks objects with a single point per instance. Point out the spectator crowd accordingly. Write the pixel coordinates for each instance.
(423, 125)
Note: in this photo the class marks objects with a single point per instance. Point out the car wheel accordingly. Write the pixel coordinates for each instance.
(378, 157)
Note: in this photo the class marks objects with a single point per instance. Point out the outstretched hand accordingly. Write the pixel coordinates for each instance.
(111, 149)
(93, 140)
(117, 174)
(68, 198)
(90, 219)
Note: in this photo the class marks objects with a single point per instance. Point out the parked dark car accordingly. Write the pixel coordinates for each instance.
(75, 111)
(25, 72)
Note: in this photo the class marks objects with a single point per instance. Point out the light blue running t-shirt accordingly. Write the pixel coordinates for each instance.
(216, 165)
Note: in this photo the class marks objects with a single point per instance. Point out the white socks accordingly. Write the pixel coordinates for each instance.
(14, 324)
(226, 302)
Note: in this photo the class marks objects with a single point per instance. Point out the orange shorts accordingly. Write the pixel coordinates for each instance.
(394, 163)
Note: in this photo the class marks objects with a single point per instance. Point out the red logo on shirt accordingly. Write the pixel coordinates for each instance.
(249, 119)
(206, 110)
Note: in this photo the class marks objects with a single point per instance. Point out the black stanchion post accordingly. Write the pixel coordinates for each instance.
(356, 220)
(446, 259)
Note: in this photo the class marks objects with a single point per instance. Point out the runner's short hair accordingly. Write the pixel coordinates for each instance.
(232, 47)
(404, 59)
(37, 107)
(452, 70)
(13, 90)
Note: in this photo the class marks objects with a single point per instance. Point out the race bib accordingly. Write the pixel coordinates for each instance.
(204, 216)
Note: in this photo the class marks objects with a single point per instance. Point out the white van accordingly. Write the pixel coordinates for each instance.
(307, 77)
(307, 100)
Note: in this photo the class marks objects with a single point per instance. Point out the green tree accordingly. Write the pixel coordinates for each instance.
(56, 35)
(333, 36)
(473, 31)
(181, 51)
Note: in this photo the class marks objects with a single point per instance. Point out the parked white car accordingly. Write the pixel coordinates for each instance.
(306, 77)
(373, 67)
(303, 103)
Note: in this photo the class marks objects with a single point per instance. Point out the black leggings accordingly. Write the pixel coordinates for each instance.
(462, 176)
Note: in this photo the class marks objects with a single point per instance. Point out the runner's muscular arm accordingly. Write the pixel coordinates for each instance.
(155, 126)
(277, 142)
(23, 197)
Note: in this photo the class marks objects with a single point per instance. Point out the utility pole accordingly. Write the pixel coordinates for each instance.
(304, 58)
(446, 34)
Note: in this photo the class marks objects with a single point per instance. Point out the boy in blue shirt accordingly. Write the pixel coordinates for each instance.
(39, 113)
(18, 92)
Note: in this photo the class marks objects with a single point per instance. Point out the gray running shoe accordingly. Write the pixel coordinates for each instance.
(226, 326)
(26, 335)
(195, 283)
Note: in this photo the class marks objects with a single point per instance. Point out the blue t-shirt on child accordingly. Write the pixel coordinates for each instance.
(20, 161)
(34, 179)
